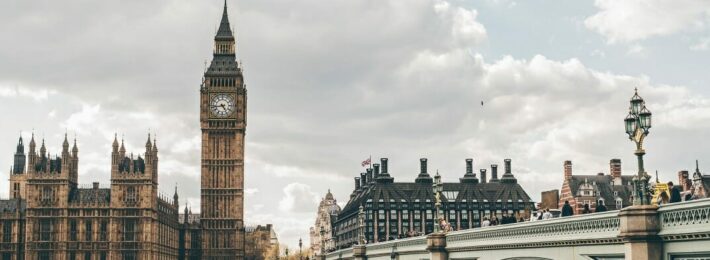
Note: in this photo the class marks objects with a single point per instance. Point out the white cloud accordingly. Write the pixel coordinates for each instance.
(298, 197)
(466, 31)
(633, 20)
(16, 91)
(635, 50)
(702, 45)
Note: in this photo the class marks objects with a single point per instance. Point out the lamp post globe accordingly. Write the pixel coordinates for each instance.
(636, 125)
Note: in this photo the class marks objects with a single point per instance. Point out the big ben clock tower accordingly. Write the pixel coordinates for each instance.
(223, 97)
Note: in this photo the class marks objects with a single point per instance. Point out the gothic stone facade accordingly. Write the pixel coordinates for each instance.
(393, 209)
(50, 217)
(328, 210)
(223, 97)
(693, 187)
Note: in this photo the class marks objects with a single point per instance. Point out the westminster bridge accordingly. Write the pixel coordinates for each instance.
(673, 231)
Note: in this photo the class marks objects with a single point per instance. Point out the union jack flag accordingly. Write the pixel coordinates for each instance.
(366, 162)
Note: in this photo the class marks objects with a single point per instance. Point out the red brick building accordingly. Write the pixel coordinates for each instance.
(613, 190)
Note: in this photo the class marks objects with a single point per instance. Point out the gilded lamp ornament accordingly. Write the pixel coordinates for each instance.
(437, 188)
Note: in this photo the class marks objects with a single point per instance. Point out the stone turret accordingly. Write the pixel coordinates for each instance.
(19, 162)
(175, 198)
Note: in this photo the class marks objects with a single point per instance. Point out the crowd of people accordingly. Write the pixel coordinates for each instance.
(505, 219)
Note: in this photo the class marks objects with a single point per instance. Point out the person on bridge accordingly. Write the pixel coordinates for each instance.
(586, 209)
(567, 209)
(547, 214)
(485, 222)
(600, 207)
(495, 221)
(675, 193)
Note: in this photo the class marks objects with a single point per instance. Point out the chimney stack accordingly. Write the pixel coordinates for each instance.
(568, 169)
(494, 173)
(469, 177)
(383, 162)
(422, 165)
(507, 166)
(684, 180)
(357, 183)
(363, 180)
(376, 167)
(615, 168)
(483, 176)
(508, 175)
(384, 176)
(369, 176)
(423, 176)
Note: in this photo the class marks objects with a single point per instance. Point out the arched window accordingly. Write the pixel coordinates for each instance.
(47, 194)
(619, 203)
(131, 197)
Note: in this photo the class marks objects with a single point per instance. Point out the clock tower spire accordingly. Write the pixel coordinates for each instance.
(223, 97)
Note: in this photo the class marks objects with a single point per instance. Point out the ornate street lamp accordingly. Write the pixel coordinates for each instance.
(393, 254)
(322, 241)
(300, 249)
(287, 253)
(438, 188)
(361, 226)
(637, 124)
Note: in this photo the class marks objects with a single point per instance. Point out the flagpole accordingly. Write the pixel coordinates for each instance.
(370, 161)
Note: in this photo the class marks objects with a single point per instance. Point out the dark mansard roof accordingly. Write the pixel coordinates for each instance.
(465, 192)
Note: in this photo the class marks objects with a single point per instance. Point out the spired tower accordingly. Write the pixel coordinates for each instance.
(18, 178)
(223, 97)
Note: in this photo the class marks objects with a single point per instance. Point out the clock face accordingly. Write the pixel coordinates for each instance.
(222, 105)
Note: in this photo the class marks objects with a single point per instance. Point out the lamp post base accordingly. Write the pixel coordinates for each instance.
(639, 228)
(436, 245)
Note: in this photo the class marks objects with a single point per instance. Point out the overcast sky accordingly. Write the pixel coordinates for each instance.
(333, 82)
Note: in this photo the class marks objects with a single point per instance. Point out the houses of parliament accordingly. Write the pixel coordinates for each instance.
(50, 216)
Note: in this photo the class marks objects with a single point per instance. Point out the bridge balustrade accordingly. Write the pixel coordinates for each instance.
(676, 231)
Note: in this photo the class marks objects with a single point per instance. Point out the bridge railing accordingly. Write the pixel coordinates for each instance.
(407, 246)
(575, 230)
(685, 221)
